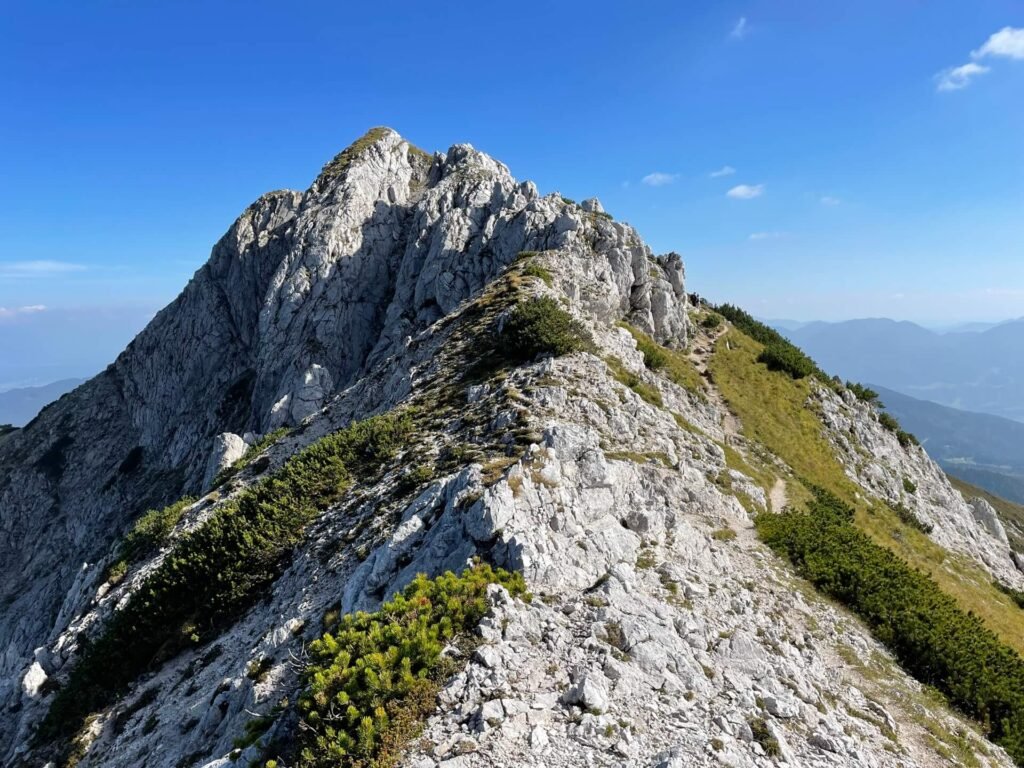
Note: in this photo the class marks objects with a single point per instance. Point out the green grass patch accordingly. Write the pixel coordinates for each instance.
(219, 570)
(672, 364)
(541, 273)
(777, 352)
(623, 375)
(776, 411)
(723, 534)
(373, 678)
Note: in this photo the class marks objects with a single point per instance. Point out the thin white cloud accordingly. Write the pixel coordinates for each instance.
(768, 235)
(830, 201)
(42, 268)
(31, 309)
(740, 29)
(1007, 42)
(746, 191)
(658, 179)
(957, 78)
(725, 170)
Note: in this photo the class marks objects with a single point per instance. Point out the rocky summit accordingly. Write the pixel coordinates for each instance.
(230, 547)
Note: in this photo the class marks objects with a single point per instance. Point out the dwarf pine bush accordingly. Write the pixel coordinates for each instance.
(148, 534)
(219, 570)
(862, 393)
(779, 353)
(540, 326)
(932, 637)
(373, 677)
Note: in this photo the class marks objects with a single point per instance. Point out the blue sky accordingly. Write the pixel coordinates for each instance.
(876, 148)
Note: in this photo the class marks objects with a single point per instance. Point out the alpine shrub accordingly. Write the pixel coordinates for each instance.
(372, 678)
(863, 393)
(779, 354)
(931, 636)
(219, 570)
(540, 326)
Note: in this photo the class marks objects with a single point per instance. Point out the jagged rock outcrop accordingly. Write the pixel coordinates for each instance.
(302, 293)
(662, 633)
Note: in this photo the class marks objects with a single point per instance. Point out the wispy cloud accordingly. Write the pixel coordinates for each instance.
(37, 268)
(830, 201)
(31, 309)
(746, 191)
(768, 235)
(725, 170)
(1007, 43)
(740, 29)
(957, 78)
(658, 179)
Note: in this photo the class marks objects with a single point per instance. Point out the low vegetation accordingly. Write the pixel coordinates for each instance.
(763, 736)
(907, 517)
(542, 273)
(863, 393)
(372, 678)
(778, 353)
(792, 430)
(150, 532)
(889, 421)
(648, 392)
(672, 364)
(344, 159)
(710, 321)
(1014, 594)
(541, 326)
(933, 638)
(219, 570)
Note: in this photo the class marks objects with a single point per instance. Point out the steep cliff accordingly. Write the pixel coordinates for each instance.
(619, 475)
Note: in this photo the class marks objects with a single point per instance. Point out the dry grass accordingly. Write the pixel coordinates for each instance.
(775, 412)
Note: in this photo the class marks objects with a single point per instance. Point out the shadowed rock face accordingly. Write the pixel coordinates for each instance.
(305, 293)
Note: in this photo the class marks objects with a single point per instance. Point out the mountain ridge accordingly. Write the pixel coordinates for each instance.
(975, 371)
(418, 364)
(20, 405)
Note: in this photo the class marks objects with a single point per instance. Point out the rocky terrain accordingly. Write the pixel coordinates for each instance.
(661, 631)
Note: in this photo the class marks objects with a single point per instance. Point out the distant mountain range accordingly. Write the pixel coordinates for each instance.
(20, 406)
(985, 450)
(981, 371)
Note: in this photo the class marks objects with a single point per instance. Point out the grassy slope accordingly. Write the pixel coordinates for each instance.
(775, 412)
(1012, 514)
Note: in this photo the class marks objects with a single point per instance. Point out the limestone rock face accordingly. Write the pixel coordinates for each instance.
(661, 631)
(987, 517)
(227, 449)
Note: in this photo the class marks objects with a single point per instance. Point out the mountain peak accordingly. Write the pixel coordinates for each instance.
(420, 364)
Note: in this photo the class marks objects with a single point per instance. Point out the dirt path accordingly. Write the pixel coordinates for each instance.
(700, 355)
(778, 497)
